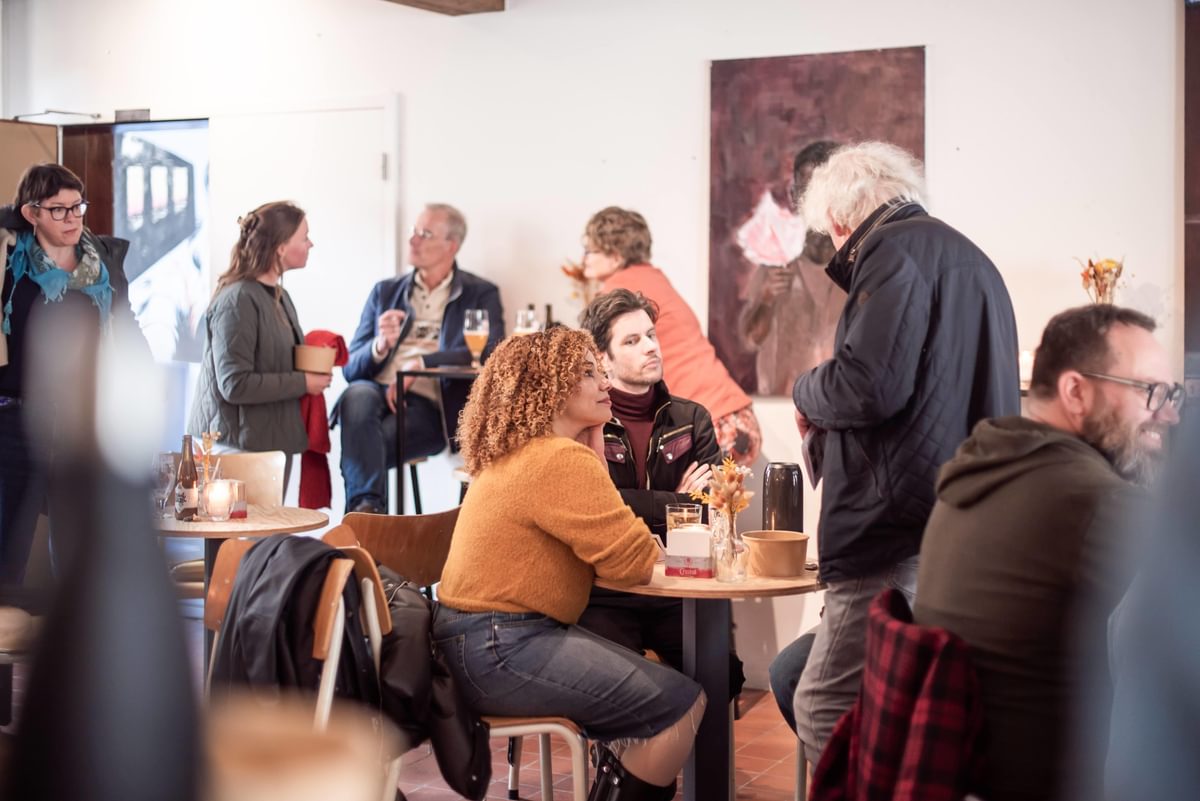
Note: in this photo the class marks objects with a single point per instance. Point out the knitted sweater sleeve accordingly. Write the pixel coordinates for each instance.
(585, 511)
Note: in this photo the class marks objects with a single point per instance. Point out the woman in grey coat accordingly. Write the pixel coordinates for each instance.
(249, 389)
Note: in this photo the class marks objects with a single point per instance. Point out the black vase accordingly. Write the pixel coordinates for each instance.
(783, 497)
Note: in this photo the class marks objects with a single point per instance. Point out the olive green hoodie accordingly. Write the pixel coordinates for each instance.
(1023, 559)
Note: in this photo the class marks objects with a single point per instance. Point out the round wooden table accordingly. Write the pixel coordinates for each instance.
(707, 625)
(260, 521)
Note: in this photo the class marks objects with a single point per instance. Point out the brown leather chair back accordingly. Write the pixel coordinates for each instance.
(415, 546)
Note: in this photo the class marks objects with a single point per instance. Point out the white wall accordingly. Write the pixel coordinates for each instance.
(1054, 127)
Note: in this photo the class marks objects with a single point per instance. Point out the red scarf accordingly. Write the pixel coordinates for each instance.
(316, 489)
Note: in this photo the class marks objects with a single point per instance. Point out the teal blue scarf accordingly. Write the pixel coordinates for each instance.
(90, 277)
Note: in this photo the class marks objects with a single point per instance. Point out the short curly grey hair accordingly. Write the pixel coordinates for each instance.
(856, 180)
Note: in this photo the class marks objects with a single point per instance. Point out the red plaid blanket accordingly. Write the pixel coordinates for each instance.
(914, 733)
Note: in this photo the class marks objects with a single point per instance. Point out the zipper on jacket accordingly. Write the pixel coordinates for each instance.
(653, 443)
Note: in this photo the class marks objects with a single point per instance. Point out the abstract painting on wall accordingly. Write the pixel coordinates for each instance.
(772, 310)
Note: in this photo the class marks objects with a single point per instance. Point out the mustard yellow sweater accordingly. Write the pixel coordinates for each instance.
(536, 529)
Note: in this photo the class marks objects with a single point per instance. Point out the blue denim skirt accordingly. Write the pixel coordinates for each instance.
(525, 664)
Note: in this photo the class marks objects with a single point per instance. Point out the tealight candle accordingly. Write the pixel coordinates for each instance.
(218, 500)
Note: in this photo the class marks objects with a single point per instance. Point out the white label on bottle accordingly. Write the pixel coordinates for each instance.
(185, 498)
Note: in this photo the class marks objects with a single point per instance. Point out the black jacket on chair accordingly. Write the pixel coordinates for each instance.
(267, 638)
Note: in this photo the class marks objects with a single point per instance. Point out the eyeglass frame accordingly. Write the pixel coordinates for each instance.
(78, 210)
(1175, 395)
(424, 234)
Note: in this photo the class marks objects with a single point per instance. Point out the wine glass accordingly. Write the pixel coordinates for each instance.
(527, 322)
(164, 481)
(475, 332)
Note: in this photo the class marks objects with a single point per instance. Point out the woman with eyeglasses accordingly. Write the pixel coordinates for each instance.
(53, 265)
(249, 389)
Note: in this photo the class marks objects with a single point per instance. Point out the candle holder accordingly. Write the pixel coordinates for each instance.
(216, 500)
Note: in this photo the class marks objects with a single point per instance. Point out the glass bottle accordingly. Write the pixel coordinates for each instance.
(186, 492)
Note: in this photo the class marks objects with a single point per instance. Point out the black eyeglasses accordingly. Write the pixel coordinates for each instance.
(1157, 395)
(59, 213)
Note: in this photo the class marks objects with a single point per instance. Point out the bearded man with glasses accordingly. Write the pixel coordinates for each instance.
(1025, 553)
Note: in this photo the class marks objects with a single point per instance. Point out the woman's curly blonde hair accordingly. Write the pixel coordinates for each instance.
(523, 386)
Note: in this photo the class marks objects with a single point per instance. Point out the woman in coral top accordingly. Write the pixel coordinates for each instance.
(542, 520)
(616, 252)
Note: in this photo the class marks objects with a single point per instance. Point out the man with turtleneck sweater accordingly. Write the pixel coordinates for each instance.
(659, 448)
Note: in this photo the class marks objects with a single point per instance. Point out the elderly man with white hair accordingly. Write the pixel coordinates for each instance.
(926, 347)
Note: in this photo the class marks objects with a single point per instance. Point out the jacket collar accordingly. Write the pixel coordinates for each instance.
(841, 268)
(456, 284)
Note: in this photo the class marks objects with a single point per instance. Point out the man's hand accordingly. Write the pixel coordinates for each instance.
(316, 383)
(409, 364)
(696, 478)
(390, 323)
(802, 423)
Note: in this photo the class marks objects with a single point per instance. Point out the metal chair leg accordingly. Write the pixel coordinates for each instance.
(412, 472)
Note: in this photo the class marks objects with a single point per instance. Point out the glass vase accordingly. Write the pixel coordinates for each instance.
(729, 553)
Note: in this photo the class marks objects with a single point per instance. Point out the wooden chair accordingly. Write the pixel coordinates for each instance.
(416, 547)
(328, 622)
(262, 474)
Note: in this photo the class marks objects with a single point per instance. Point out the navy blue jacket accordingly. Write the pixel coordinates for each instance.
(926, 347)
(467, 291)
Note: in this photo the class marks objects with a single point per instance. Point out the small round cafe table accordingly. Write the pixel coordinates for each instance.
(260, 521)
(706, 643)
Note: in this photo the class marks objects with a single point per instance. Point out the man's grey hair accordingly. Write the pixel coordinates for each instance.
(856, 180)
(456, 223)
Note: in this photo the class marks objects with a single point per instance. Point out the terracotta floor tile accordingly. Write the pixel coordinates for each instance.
(767, 750)
(772, 782)
(754, 764)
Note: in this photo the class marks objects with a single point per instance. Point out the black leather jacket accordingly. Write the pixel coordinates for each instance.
(682, 434)
(267, 640)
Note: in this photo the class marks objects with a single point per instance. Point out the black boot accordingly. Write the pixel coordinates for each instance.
(615, 783)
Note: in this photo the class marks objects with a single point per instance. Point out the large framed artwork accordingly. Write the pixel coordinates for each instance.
(772, 310)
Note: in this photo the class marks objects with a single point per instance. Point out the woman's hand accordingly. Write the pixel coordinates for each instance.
(593, 437)
(316, 383)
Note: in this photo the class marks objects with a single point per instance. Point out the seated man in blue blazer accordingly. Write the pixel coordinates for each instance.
(413, 320)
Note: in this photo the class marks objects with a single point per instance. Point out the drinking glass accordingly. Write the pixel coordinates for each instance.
(164, 482)
(527, 322)
(475, 332)
(681, 514)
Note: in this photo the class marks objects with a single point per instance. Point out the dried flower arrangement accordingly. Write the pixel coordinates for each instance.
(726, 490)
(1100, 279)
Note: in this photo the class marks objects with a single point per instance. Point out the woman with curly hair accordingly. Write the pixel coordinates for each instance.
(542, 520)
(616, 252)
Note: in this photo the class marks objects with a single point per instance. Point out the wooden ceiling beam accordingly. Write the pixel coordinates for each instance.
(454, 8)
